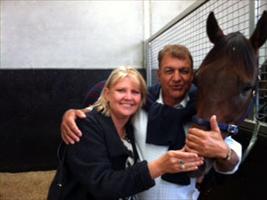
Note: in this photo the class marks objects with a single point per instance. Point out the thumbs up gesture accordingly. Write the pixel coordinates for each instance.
(209, 144)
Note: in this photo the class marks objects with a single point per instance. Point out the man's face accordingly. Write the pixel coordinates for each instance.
(175, 76)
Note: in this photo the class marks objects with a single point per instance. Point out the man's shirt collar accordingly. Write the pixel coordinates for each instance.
(182, 104)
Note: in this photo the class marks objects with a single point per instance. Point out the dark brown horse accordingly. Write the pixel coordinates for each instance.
(227, 76)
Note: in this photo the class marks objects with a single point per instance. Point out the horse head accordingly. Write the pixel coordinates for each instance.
(228, 74)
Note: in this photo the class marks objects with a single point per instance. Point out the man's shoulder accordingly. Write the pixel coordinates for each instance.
(98, 86)
(155, 86)
(93, 93)
(152, 96)
(154, 90)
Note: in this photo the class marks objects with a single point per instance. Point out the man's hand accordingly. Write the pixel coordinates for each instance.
(208, 144)
(70, 133)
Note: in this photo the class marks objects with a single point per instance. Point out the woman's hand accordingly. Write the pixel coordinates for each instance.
(174, 162)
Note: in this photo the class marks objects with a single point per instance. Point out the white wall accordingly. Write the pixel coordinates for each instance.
(163, 11)
(79, 34)
(71, 34)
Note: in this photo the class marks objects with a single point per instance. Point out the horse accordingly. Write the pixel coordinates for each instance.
(226, 80)
(227, 77)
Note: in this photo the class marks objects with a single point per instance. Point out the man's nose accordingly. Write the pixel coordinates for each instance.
(176, 75)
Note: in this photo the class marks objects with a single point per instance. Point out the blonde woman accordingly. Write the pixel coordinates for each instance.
(104, 164)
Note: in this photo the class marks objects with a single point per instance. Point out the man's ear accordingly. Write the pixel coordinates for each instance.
(192, 75)
(195, 77)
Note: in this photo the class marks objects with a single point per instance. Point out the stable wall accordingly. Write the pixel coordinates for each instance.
(51, 52)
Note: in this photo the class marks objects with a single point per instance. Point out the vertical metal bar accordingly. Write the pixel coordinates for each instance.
(148, 63)
(252, 18)
(147, 33)
(252, 11)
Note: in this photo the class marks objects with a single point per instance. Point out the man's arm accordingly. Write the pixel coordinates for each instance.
(211, 144)
(70, 132)
(233, 157)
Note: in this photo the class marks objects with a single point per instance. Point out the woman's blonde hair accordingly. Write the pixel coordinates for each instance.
(116, 75)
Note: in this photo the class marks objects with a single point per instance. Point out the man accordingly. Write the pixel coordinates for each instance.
(162, 124)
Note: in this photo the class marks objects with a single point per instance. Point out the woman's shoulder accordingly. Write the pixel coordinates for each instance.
(95, 119)
(97, 116)
(94, 114)
(92, 119)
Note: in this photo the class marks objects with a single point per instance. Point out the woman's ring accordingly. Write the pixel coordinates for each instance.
(181, 164)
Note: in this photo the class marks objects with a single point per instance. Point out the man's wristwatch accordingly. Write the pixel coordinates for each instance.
(229, 154)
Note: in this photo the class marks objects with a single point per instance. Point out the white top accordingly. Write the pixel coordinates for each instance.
(165, 190)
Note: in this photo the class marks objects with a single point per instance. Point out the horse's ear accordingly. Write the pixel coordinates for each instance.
(214, 32)
(259, 36)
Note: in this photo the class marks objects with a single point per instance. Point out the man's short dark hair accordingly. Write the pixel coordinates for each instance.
(176, 51)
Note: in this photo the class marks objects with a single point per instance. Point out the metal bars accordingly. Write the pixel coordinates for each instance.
(260, 6)
(190, 30)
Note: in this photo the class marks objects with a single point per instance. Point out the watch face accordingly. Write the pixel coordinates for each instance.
(229, 154)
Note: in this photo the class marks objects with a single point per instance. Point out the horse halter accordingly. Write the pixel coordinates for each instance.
(232, 129)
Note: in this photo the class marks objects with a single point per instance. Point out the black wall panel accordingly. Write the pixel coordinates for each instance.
(32, 103)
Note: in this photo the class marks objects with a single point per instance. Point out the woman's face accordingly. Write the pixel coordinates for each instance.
(124, 98)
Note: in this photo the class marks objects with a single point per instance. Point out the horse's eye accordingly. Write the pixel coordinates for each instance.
(247, 89)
